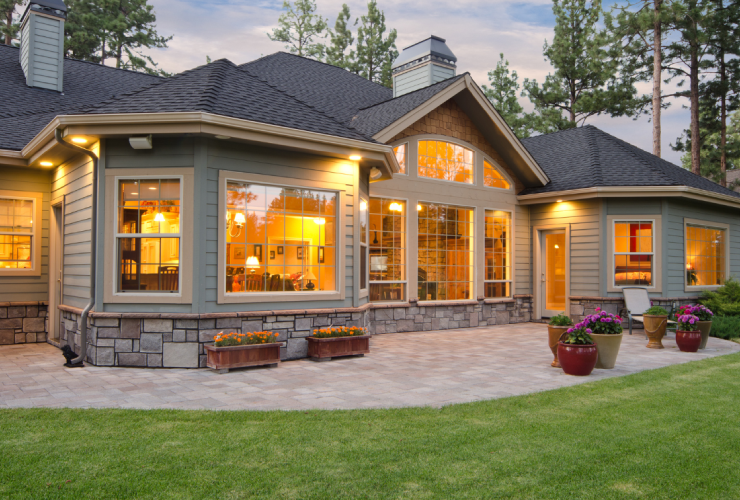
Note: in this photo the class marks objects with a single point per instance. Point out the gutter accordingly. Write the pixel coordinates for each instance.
(93, 243)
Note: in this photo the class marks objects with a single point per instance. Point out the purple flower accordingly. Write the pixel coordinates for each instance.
(588, 330)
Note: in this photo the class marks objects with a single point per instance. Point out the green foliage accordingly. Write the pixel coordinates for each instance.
(725, 301)
(502, 90)
(725, 327)
(299, 27)
(9, 24)
(656, 311)
(339, 52)
(578, 336)
(710, 132)
(375, 51)
(561, 320)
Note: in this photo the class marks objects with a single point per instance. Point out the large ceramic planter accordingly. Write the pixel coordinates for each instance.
(704, 328)
(655, 330)
(239, 356)
(688, 341)
(577, 359)
(608, 347)
(554, 333)
(334, 347)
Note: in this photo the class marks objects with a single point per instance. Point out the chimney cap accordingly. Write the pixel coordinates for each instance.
(55, 8)
(433, 45)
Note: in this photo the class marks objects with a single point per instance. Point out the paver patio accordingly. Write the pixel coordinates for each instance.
(404, 369)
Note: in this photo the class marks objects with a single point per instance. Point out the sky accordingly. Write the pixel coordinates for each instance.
(476, 31)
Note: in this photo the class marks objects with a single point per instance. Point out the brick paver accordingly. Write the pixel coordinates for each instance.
(404, 369)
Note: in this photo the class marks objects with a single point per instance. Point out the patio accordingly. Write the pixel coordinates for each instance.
(405, 369)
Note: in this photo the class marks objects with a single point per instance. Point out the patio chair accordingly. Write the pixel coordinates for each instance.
(636, 302)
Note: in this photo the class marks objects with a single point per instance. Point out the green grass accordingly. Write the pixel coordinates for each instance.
(670, 433)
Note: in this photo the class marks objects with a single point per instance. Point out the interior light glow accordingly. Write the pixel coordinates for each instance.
(79, 140)
(159, 217)
(395, 207)
(135, 194)
(363, 205)
(152, 189)
(319, 220)
(355, 157)
(252, 263)
(239, 218)
(46, 164)
(557, 246)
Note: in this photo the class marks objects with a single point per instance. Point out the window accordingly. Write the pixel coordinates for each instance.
(148, 235)
(17, 233)
(445, 161)
(363, 243)
(492, 177)
(280, 239)
(633, 253)
(387, 249)
(498, 254)
(400, 152)
(446, 260)
(706, 255)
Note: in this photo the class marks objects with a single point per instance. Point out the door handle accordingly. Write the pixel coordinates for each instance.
(543, 277)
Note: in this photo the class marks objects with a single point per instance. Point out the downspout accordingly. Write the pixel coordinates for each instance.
(93, 244)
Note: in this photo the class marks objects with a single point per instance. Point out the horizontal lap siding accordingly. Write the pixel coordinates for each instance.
(27, 288)
(583, 217)
(522, 251)
(287, 166)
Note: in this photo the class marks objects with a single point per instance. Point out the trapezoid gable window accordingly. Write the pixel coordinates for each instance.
(445, 161)
(492, 177)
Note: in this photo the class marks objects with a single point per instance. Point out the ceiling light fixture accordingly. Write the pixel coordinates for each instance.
(375, 173)
(46, 164)
(355, 157)
(79, 140)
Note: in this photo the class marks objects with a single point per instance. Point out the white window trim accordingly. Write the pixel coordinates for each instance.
(224, 176)
(711, 225)
(35, 234)
(406, 250)
(511, 254)
(657, 252)
(365, 247)
(408, 151)
(110, 277)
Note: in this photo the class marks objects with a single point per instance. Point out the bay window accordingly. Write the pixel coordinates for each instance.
(706, 254)
(387, 249)
(498, 254)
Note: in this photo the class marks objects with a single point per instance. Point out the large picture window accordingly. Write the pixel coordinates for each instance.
(498, 254)
(280, 239)
(706, 255)
(387, 249)
(446, 256)
(445, 161)
(634, 245)
(16, 233)
(148, 235)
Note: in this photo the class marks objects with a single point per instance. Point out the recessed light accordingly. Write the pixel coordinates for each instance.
(46, 164)
(222, 137)
(153, 189)
(560, 201)
(79, 140)
(355, 157)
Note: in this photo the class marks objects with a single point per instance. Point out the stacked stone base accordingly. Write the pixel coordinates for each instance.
(23, 322)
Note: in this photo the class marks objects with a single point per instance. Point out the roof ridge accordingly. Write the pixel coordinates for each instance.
(446, 80)
(595, 153)
(216, 77)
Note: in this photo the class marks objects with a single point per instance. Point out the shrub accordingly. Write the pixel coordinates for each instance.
(578, 335)
(725, 327)
(561, 320)
(656, 311)
(341, 331)
(228, 339)
(725, 301)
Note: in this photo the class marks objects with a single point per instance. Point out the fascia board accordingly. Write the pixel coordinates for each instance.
(12, 158)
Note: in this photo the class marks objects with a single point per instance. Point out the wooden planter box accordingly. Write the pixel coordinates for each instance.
(239, 356)
(338, 346)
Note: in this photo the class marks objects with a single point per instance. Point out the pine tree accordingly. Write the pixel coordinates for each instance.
(587, 80)
(299, 27)
(9, 25)
(339, 51)
(84, 30)
(375, 54)
(502, 90)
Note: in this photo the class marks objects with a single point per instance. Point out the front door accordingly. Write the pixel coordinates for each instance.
(553, 254)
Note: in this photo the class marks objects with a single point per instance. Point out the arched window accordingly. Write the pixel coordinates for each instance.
(445, 161)
(492, 177)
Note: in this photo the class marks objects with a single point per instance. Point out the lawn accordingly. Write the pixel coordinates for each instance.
(668, 433)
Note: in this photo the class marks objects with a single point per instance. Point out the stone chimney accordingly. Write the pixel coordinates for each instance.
(42, 44)
(421, 65)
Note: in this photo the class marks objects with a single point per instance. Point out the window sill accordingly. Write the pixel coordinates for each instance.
(145, 298)
(243, 298)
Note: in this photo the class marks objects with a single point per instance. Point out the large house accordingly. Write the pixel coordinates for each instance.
(141, 215)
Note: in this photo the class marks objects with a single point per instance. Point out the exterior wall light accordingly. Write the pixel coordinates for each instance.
(355, 157)
(375, 173)
(418, 208)
(144, 142)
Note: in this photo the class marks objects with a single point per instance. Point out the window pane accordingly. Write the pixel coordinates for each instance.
(149, 264)
(445, 161)
(498, 251)
(400, 152)
(363, 221)
(149, 206)
(387, 292)
(705, 256)
(387, 245)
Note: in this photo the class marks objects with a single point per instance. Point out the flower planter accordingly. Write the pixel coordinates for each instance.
(688, 341)
(704, 328)
(334, 347)
(607, 346)
(239, 356)
(554, 333)
(577, 359)
(655, 330)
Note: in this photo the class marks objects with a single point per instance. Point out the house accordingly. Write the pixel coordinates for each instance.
(141, 215)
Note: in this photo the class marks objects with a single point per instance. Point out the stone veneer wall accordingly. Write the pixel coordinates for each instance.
(580, 307)
(23, 322)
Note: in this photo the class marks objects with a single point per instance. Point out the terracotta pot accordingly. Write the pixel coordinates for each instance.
(704, 328)
(688, 341)
(608, 347)
(655, 330)
(554, 333)
(577, 359)
(239, 356)
(334, 347)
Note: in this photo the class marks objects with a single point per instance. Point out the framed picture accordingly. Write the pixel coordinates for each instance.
(321, 255)
(258, 252)
(299, 253)
(272, 254)
(280, 250)
(238, 253)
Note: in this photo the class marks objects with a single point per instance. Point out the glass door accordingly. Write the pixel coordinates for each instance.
(553, 289)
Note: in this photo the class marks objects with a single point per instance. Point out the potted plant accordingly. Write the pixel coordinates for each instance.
(705, 316)
(237, 350)
(555, 329)
(688, 335)
(577, 352)
(327, 343)
(606, 331)
(655, 320)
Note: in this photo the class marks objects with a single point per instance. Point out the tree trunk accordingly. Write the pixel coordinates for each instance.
(102, 53)
(694, 96)
(722, 113)
(8, 23)
(657, 62)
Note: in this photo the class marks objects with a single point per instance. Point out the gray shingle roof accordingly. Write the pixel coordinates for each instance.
(587, 157)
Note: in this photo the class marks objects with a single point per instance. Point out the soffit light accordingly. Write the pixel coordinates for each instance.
(355, 157)
(375, 173)
(46, 164)
(560, 201)
(79, 140)
(222, 137)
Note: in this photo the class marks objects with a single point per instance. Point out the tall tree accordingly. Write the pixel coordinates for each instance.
(502, 90)
(587, 80)
(299, 28)
(339, 51)
(375, 51)
(8, 23)
(712, 143)
(84, 30)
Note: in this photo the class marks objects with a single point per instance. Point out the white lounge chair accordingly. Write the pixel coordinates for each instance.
(636, 302)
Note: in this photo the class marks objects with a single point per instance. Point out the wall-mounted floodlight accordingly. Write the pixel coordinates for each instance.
(144, 142)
